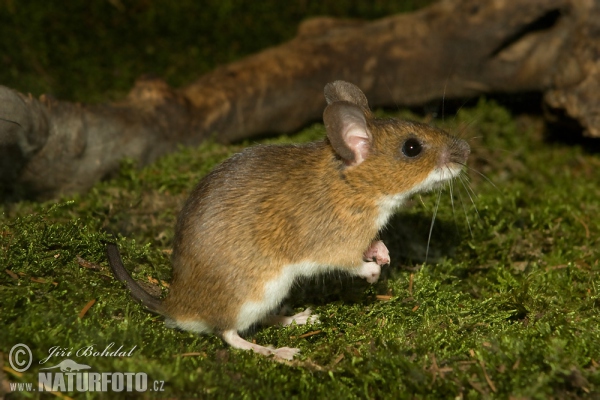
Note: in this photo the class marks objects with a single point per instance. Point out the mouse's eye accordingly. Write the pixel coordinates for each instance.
(412, 148)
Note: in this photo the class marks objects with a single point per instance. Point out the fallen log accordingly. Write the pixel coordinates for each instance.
(453, 48)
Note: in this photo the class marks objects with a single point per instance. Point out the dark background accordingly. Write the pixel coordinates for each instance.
(92, 51)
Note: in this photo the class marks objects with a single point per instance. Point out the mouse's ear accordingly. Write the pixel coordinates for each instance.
(345, 91)
(347, 131)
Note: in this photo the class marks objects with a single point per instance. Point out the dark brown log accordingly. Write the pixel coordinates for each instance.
(575, 87)
(456, 48)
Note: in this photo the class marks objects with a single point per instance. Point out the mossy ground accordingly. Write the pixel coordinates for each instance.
(508, 304)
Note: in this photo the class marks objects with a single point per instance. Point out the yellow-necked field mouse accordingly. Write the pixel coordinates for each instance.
(274, 213)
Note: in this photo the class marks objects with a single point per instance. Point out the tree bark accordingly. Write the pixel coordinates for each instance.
(454, 48)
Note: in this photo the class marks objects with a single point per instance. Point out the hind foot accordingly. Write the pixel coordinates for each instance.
(234, 340)
(301, 318)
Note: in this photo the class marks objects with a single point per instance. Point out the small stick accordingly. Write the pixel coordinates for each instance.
(487, 377)
(85, 309)
(309, 334)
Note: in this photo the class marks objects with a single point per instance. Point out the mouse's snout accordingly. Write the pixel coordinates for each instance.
(460, 151)
(456, 152)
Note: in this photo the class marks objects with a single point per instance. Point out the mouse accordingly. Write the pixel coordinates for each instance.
(271, 214)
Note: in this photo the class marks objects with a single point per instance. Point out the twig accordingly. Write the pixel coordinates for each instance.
(87, 264)
(340, 358)
(582, 222)
(487, 377)
(190, 354)
(40, 280)
(309, 334)
(85, 309)
(11, 274)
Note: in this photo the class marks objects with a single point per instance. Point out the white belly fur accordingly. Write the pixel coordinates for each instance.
(196, 326)
(274, 292)
(387, 207)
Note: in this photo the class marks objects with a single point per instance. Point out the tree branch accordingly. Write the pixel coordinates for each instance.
(456, 48)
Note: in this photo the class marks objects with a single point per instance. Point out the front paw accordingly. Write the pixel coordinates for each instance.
(378, 253)
(370, 271)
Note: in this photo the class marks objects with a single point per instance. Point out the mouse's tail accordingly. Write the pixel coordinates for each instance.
(118, 269)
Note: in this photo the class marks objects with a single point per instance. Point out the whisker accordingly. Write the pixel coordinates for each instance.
(444, 100)
(435, 210)
(460, 108)
(389, 89)
(451, 186)
(483, 176)
(422, 202)
(464, 125)
(478, 173)
(465, 211)
(465, 178)
(495, 149)
(467, 187)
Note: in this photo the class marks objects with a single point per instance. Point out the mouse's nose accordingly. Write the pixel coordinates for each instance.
(456, 151)
(459, 151)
